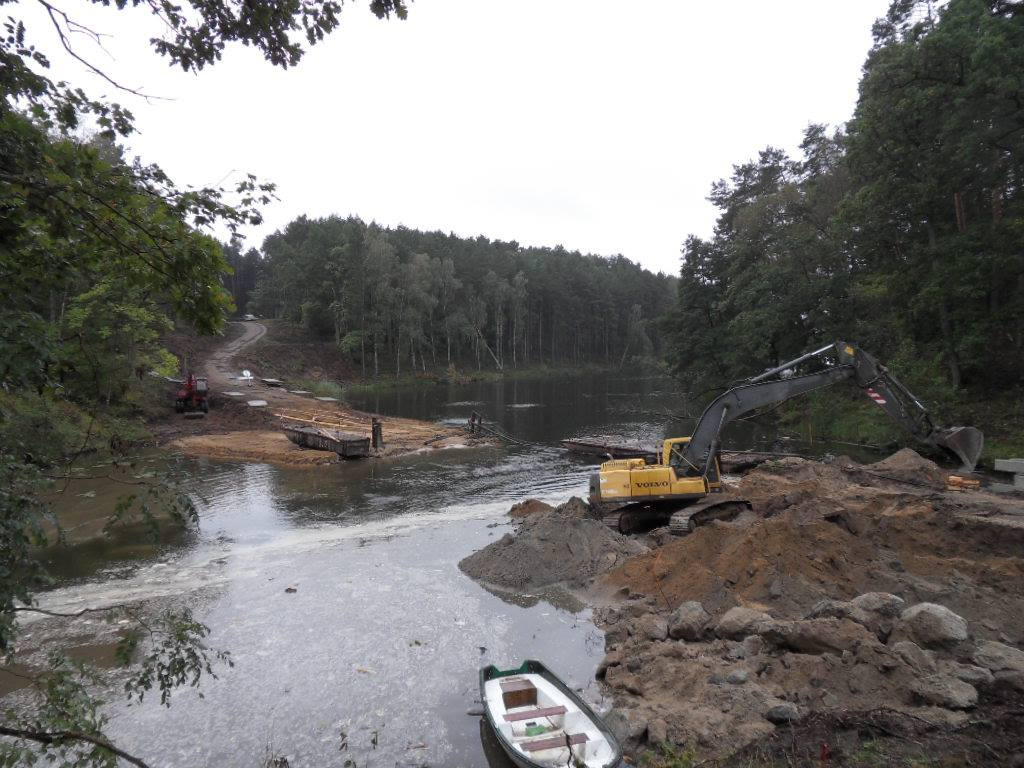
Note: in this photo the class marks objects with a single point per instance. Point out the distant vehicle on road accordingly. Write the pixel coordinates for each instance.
(248, 317)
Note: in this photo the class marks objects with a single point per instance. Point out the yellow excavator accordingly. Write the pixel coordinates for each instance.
(678, 490)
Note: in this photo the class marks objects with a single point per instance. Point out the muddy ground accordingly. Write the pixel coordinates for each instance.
(233, 430)
(865, 608)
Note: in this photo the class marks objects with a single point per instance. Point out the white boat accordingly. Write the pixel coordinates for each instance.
(541, 723)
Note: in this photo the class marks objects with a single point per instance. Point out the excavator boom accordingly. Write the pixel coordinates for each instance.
(842, 361)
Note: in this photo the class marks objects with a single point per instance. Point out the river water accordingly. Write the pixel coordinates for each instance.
(374, 656)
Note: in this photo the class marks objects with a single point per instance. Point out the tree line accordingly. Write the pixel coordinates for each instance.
(902, 232)
(398, 299)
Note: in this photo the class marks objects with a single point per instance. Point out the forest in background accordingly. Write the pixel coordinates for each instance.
(397, 299)
(904, 232)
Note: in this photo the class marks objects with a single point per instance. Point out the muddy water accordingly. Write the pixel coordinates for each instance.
(373, 657)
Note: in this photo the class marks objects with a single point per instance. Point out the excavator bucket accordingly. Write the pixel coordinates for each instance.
(963, 442)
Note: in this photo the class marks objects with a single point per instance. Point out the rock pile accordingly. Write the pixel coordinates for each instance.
(719, 683)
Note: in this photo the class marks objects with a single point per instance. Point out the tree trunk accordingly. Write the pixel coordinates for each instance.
(945, 322)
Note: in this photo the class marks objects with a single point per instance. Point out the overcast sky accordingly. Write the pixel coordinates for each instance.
(596, 124)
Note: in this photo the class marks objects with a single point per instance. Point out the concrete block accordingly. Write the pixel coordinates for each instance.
(1010, 465)
(257, 403)
(1018, 481)
(327, 399)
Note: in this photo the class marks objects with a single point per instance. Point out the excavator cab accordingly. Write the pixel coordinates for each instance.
(674, 456)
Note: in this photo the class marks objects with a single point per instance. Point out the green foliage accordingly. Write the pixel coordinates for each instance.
(901, 234)
(98, 256)
(176, 654)
(401, 299)
(669, 756)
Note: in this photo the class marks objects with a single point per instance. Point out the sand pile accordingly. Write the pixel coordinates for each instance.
(909, 465)
(561, 546)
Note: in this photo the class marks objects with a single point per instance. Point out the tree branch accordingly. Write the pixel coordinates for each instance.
(54, 13)
(62, 737)
(58, 614)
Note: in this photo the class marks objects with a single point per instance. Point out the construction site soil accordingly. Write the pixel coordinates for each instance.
(865, 608)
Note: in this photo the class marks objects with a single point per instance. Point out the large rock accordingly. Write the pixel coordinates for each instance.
(782, 712)
(687, 622)
(882, 603)
(817, 635)
(998, 657)
(739, 622)
(628, 725)
(931, 625)
(657, 731)
(916, 657)
(652, 626)
(969, 673)
(874, 610)
(945, 691)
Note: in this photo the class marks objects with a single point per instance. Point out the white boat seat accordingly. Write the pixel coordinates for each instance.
(529, 714)
(554, 742)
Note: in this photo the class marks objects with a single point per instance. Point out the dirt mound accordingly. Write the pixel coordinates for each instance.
(528, 507)
(557, 547)
(910, 466)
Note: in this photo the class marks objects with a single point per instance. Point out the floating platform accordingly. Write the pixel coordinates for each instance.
(600, 448)
(603, 447)
(345, 444)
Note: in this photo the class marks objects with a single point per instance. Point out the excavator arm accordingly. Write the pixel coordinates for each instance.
(842, 361)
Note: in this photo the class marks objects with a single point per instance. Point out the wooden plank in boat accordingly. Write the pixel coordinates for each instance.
(529, 714)
(554, 742)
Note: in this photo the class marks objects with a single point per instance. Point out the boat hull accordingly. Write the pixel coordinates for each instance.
(533, 667)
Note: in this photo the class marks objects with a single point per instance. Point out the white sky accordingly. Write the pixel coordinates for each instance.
(596, 124)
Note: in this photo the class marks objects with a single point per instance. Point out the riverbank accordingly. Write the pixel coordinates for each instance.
(848, 591)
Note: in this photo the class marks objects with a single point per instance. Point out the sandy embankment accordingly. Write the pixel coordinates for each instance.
(848, 591)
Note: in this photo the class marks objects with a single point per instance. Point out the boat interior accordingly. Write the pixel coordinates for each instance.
(543, 723)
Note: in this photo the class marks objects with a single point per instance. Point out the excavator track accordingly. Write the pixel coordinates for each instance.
(639, 516)
(688, 519)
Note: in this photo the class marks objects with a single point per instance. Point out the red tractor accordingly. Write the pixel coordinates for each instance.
(193, 395)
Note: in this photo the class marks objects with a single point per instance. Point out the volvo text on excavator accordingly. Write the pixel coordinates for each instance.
(633, 494)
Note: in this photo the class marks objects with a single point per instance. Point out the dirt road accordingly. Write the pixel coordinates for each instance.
(218, 365)
(238, 431)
